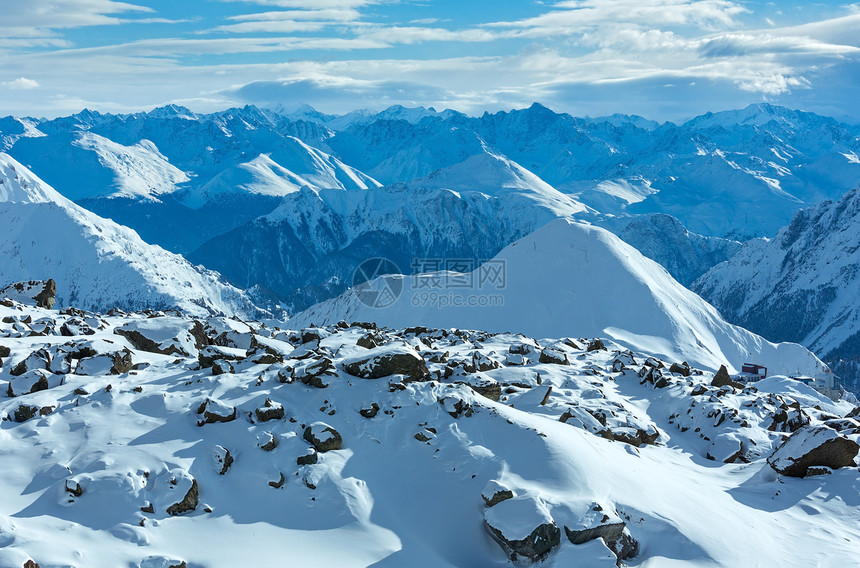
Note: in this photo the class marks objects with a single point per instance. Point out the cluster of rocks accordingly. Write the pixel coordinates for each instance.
(528, 527)
(572, 380)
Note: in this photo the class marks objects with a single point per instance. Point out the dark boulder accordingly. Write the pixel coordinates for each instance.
(386, 361)
(813, 447)
(523, 527)
(322, 437)
(188, 503)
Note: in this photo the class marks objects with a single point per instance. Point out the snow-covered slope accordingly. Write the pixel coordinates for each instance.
(572, 279)
(139, 170)
(124, 456)
(801, 286)
(279, 172)
(96, 263)
(12, 129)
(471, 211)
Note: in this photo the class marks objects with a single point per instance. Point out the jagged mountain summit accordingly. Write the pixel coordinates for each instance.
(285, 170)
(471, 210)
(801, 286)
(151, 441)
(569, 278)
(96, 263)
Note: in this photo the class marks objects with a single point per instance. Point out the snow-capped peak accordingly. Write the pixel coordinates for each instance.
(171, 111)
(20, 185)
(95, 262)
(573, 279)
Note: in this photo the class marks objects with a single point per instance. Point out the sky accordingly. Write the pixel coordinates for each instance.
(662, 59)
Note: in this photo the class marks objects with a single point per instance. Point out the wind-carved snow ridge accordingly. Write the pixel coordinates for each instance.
(96, 263)
(572, 278)
(156, 440)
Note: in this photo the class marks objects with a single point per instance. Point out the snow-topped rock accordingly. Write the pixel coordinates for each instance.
(524, 527)
(813, 450)
(386, 361)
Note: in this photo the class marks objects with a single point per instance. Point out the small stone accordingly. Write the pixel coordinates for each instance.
(279, 483)
(370, 412)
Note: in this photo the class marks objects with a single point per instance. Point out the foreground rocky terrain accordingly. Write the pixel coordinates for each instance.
(156, 439)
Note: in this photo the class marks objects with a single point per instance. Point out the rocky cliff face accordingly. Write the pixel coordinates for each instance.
(801, 286)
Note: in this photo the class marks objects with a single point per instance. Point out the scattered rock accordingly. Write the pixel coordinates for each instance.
(370, 412)
(40, 359)
(215, 411)
(323, 437)
(585, 522)
(495, 492)
(683, 369)
(424, 436)
(74, 488)
(553, 356)
(596, 345)
(279, 483)
(722, 377)
(270, 411)
(456, 406)
(310, 458)
(268, 441)
(315, 373)
(188, 503)
(25, 412)
(222, 458)
(487, 387)
(39, 293)
(213, 354)
(699, 390)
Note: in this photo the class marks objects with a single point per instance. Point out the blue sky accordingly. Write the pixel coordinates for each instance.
(663, 59)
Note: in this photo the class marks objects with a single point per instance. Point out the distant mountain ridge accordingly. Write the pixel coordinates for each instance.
(191, 182)
(307, 249)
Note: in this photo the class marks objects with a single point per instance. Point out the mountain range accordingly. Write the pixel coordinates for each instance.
(288, 202)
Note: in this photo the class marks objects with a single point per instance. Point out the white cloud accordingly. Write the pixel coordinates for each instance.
(65, 13)
(21, 83)
(331, 14)
(311, 4)
(740, 44)
(578, 16)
